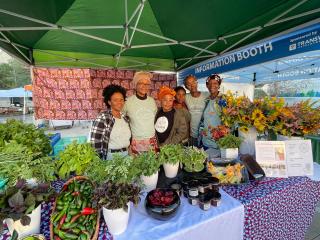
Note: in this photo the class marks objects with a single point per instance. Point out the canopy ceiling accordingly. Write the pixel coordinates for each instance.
(132, 34)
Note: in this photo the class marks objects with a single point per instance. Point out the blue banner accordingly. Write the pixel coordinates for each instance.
(304, 40)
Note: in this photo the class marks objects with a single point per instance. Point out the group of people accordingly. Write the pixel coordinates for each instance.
(136, 124)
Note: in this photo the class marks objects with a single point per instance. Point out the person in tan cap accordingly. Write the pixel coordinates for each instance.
(170, 124)
(141, 110)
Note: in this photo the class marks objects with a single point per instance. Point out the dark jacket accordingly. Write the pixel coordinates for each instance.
(179, 131)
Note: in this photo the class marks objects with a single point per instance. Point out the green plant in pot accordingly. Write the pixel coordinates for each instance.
(115, 194)
(75, 159)
(194, 159)
(147, 164)
(170, 156)
(20, 206)
(229, 146)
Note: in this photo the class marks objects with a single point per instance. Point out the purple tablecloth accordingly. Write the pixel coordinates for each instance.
(274, 209)
(277, 208)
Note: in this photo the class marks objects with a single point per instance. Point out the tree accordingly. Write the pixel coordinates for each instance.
(14, 74)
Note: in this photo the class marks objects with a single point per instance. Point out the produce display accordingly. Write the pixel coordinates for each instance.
(35, 140)
(73, 216)
(162, 203)
(230, 174)
(161, 198)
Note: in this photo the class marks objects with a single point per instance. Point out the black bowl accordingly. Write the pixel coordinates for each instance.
(161, 212)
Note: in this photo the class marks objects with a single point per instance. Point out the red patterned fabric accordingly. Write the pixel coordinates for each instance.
(76, 94)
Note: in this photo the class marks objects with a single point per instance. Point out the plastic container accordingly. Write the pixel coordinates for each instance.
(193, 200)
(54, 139)
(64, 142)
(205, 205)
(204, 185)
(216, 200)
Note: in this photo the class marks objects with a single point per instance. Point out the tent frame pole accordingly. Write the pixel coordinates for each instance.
(15, 47)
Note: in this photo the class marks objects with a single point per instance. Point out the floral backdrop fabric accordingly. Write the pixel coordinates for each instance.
(76, 94)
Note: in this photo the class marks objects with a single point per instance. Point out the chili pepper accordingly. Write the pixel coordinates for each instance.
(68, 225)
(60, 214)
(83, 237)
(57, 238)
(87, 234)
(76, 230)
(82, 228)
(63, 235)
(68, 218)
(75, 194)
(62, 221)
(88, 211)
(60, 202)
(82, 187)
(60, 207)
(70, 186)
(84, 204)
(75, 218)
(73, 212)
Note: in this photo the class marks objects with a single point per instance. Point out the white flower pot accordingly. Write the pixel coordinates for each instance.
(248, 141)
(32, 228)
(229, 153)
(116, 219)
(285, 138)
(150, 182)
(171, 170)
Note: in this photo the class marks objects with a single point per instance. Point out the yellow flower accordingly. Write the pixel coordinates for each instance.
(257, 114)
(245, 119)
(244, 129)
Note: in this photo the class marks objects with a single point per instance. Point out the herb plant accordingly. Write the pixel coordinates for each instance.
(25, 134)
(115, 195)
(194, 159)
(75, 159)
(19, 200)
(16, 162)
(229, 141)
(171, 154)
(121, 169)
(146, 163)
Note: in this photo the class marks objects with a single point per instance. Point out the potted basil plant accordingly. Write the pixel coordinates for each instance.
(147, 164)
(170, 156)
(229, 146)
(194, 159)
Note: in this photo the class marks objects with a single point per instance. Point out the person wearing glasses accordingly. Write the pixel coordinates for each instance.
(141, 110)
(211, 116)
(195, 101)
(110, 132)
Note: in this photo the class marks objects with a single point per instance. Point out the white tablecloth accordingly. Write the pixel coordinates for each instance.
(191, 223)
(316, 172)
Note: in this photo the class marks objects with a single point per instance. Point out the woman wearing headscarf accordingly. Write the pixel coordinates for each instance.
(141, 110)
(170, 124)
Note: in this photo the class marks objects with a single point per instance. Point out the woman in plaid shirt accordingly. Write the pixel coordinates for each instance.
(110, 131)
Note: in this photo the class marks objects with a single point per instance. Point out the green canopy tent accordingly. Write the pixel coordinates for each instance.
(131, 34)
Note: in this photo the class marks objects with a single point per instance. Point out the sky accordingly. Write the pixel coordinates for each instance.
(4, 57)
